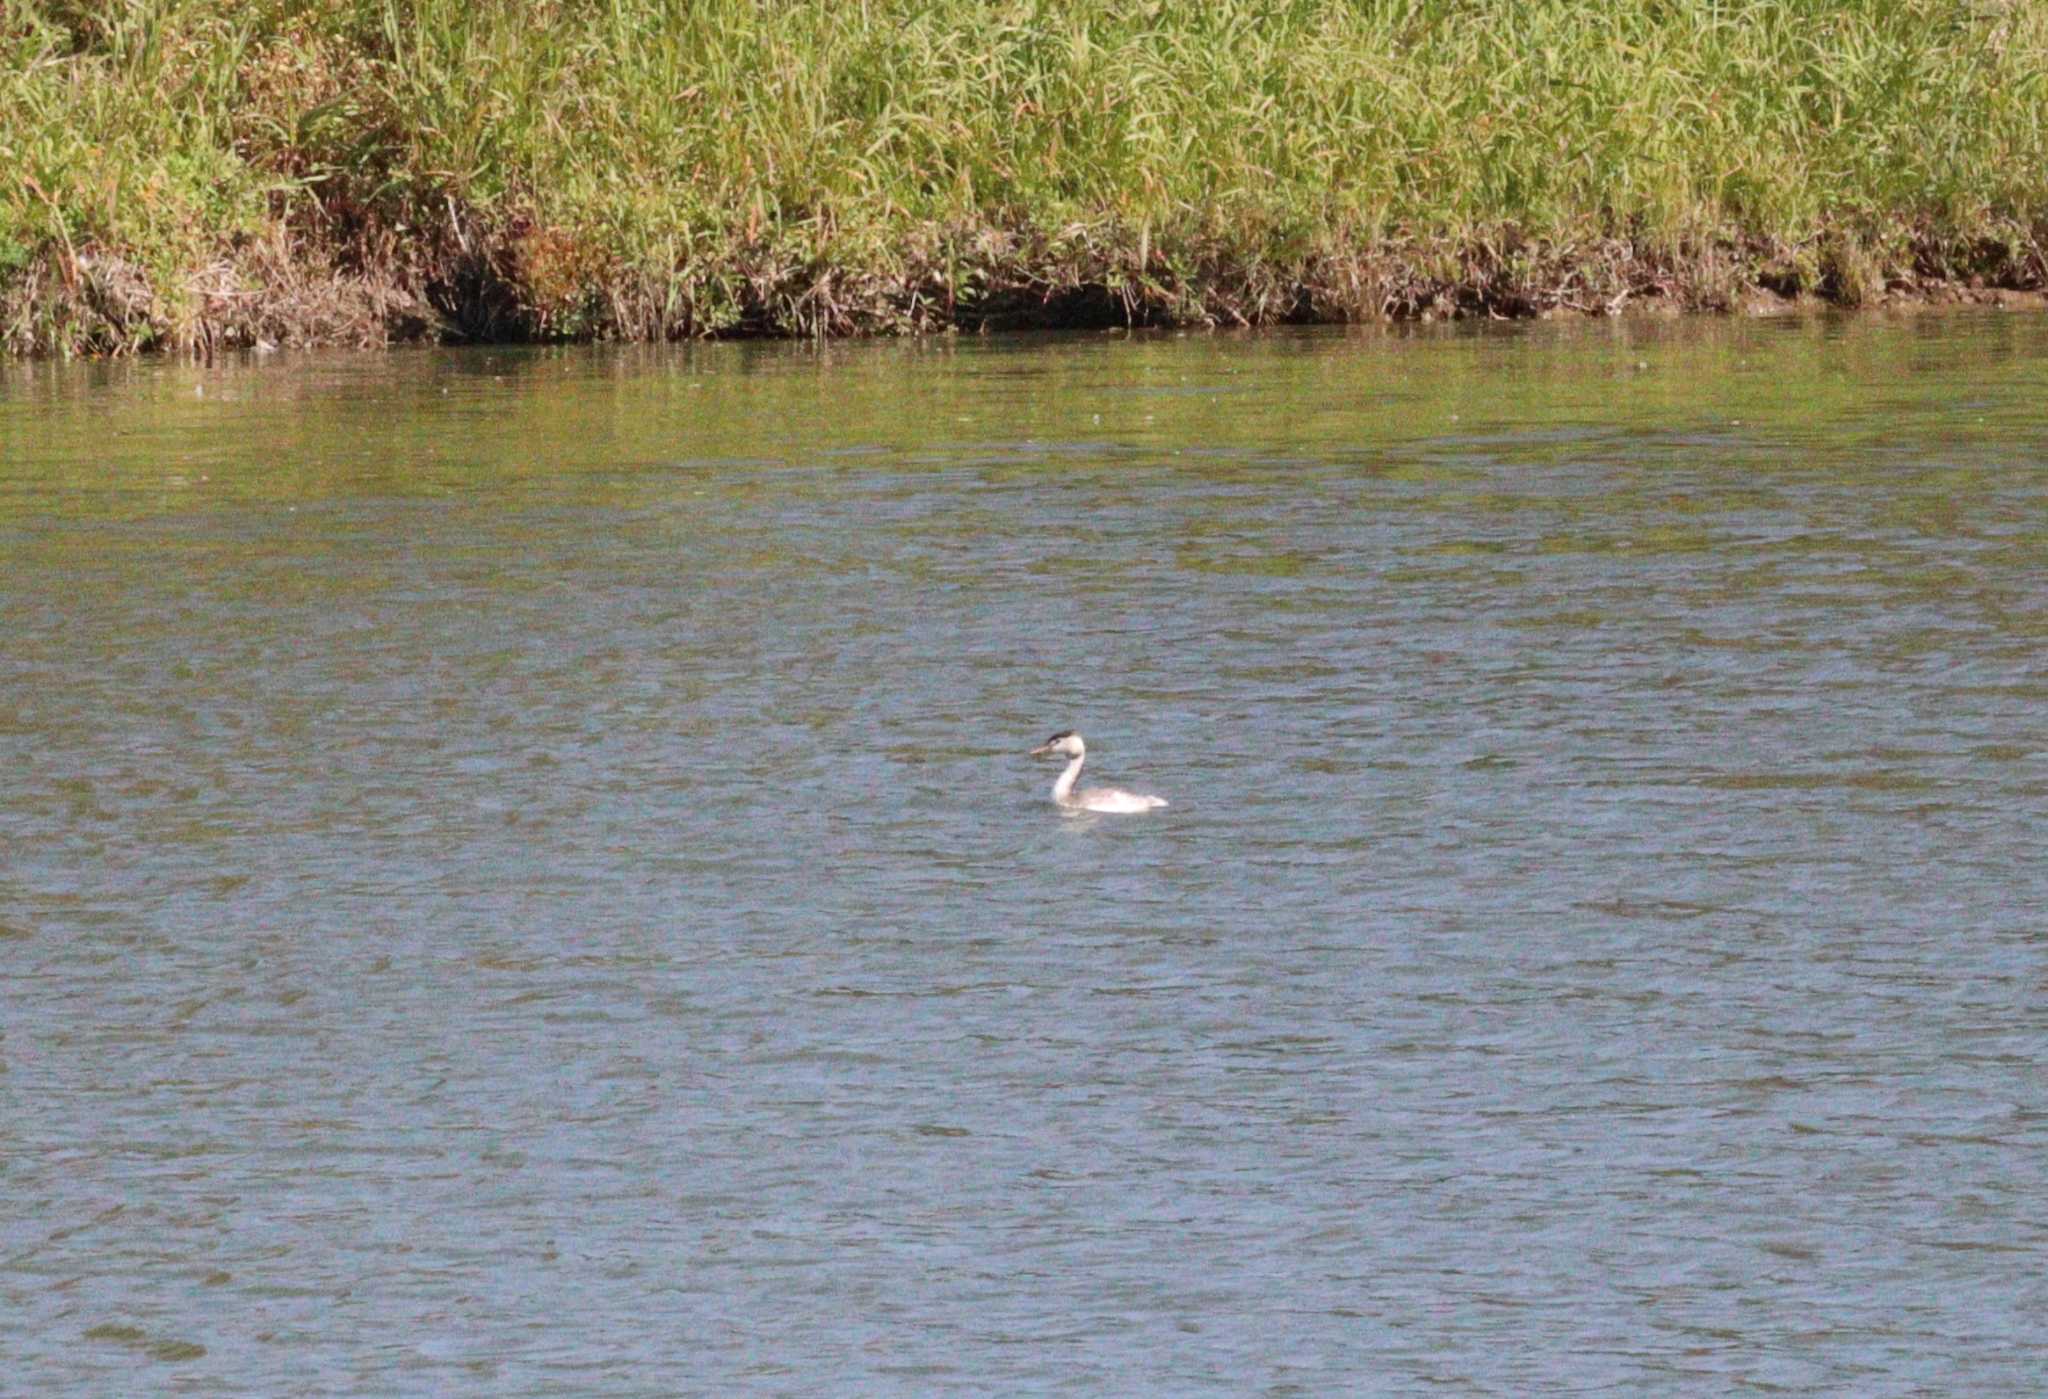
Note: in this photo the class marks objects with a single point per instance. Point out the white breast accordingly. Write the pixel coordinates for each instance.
(1112, 799)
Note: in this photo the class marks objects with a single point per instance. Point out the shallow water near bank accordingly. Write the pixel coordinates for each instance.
(519, 872)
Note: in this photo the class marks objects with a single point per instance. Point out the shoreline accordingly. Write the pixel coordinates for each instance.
(110, 310)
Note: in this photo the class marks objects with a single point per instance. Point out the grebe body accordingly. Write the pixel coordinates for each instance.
(1068, 745)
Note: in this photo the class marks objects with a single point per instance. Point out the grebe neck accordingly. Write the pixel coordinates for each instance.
(1063, 790)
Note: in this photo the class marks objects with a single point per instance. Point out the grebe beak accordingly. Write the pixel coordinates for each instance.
(1041, 750)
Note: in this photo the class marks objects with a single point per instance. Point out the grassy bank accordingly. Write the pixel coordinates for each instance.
(201, 173)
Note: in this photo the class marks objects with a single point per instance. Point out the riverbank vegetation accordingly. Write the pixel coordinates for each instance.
(195, 174)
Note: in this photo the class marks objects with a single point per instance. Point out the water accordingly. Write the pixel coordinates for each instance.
(519, 873)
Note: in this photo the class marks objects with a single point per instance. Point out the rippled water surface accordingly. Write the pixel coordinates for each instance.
(519, 872)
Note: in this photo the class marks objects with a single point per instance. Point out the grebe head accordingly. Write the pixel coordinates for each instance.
(1061, 745)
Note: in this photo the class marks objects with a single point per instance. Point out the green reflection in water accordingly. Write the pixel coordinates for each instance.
(131, 440)
(1867, 449)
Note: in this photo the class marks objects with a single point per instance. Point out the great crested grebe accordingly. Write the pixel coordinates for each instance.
(1069, 745)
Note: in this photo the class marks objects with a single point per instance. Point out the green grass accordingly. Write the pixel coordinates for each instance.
(201, 172)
